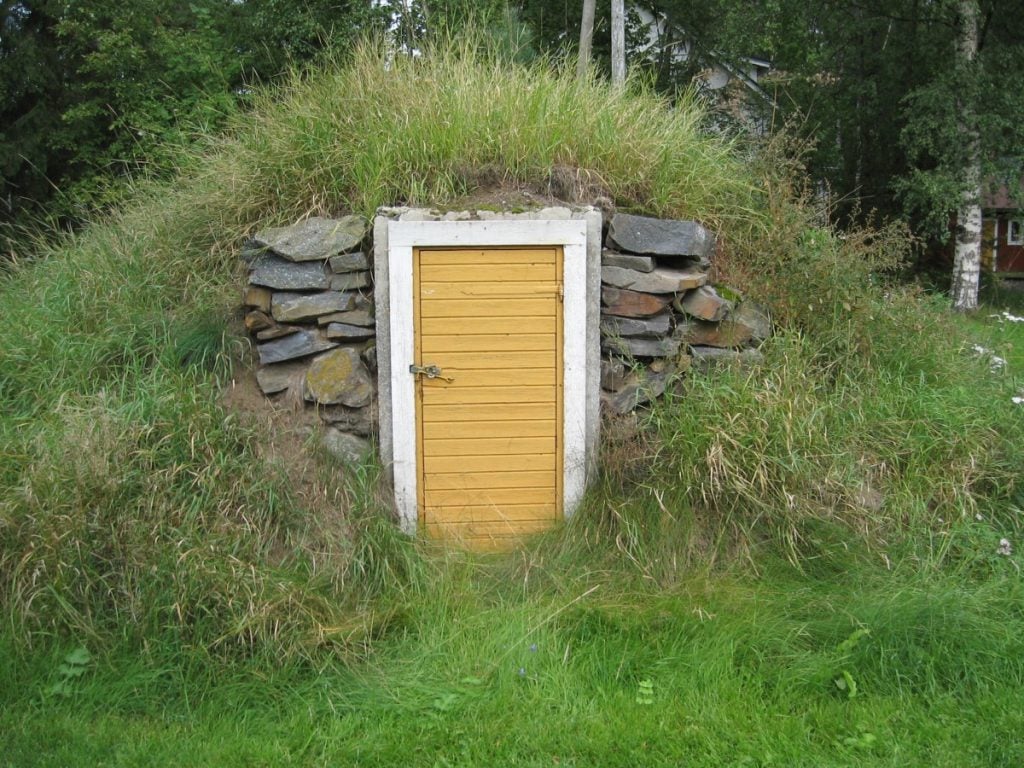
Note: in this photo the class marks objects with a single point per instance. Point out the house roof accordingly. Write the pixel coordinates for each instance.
(998, 197)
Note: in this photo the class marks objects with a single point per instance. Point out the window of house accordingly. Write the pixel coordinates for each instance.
(1015, 232)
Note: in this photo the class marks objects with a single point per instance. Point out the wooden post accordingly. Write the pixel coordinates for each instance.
(586, 37)
(618, 42)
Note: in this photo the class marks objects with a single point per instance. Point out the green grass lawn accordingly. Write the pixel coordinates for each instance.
(881, 669)
(902, 652)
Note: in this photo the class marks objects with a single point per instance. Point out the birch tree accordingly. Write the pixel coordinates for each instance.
(967, 255)
(586, 37)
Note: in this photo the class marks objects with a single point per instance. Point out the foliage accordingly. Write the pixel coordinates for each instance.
(95, 91)
(873, 84)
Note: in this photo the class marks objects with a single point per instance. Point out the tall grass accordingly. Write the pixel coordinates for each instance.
(390, 129)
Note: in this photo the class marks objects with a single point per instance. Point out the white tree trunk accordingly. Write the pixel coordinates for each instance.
(586, 37)
(618, 42)
(967, 256)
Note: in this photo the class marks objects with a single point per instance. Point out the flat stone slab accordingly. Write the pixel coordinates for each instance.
(649, 327)
(357, 261)
(350, 281)
(636, 347)
(290, 308)
(747, 324)
(660, 237)
(281, 376)
(642, 387)
(628, 261)
(724, 335)
(315, 239)
(625, 303)
(274, 272)
(339, 378)
(704, 303)
(346, 332)
(298, 344)
(352, 317)
(276, 332)
(660, 280)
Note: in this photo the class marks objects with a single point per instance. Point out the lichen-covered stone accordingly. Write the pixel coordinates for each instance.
(641, 387)
(274, 272)
(299, 344)
(356, 261)
(660, 280)
(644, 327)
(339, 378)
(747, 324)
(725, 335)
(704, 303)
(660, 237)
(625, 303)
(276, 332)
(291, 308)
(369, 356)
(315, 239)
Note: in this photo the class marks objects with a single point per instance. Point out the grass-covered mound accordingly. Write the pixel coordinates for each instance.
(132, 504)
(793, 563)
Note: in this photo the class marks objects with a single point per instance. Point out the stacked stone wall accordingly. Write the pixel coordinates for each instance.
(310, 310)
(309, 307)
(660, 317)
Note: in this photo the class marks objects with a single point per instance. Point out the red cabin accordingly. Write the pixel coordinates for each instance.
(1002, 234)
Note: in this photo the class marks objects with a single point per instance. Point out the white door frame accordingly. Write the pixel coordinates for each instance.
(402, 238)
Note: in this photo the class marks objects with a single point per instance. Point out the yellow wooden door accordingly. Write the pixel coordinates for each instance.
(490, 438)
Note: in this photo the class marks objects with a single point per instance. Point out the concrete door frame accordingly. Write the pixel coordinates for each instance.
(579, 234)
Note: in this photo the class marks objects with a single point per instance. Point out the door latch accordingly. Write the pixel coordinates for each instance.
(430, 371)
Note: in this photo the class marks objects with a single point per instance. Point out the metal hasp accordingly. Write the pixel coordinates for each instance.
(430, 371)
